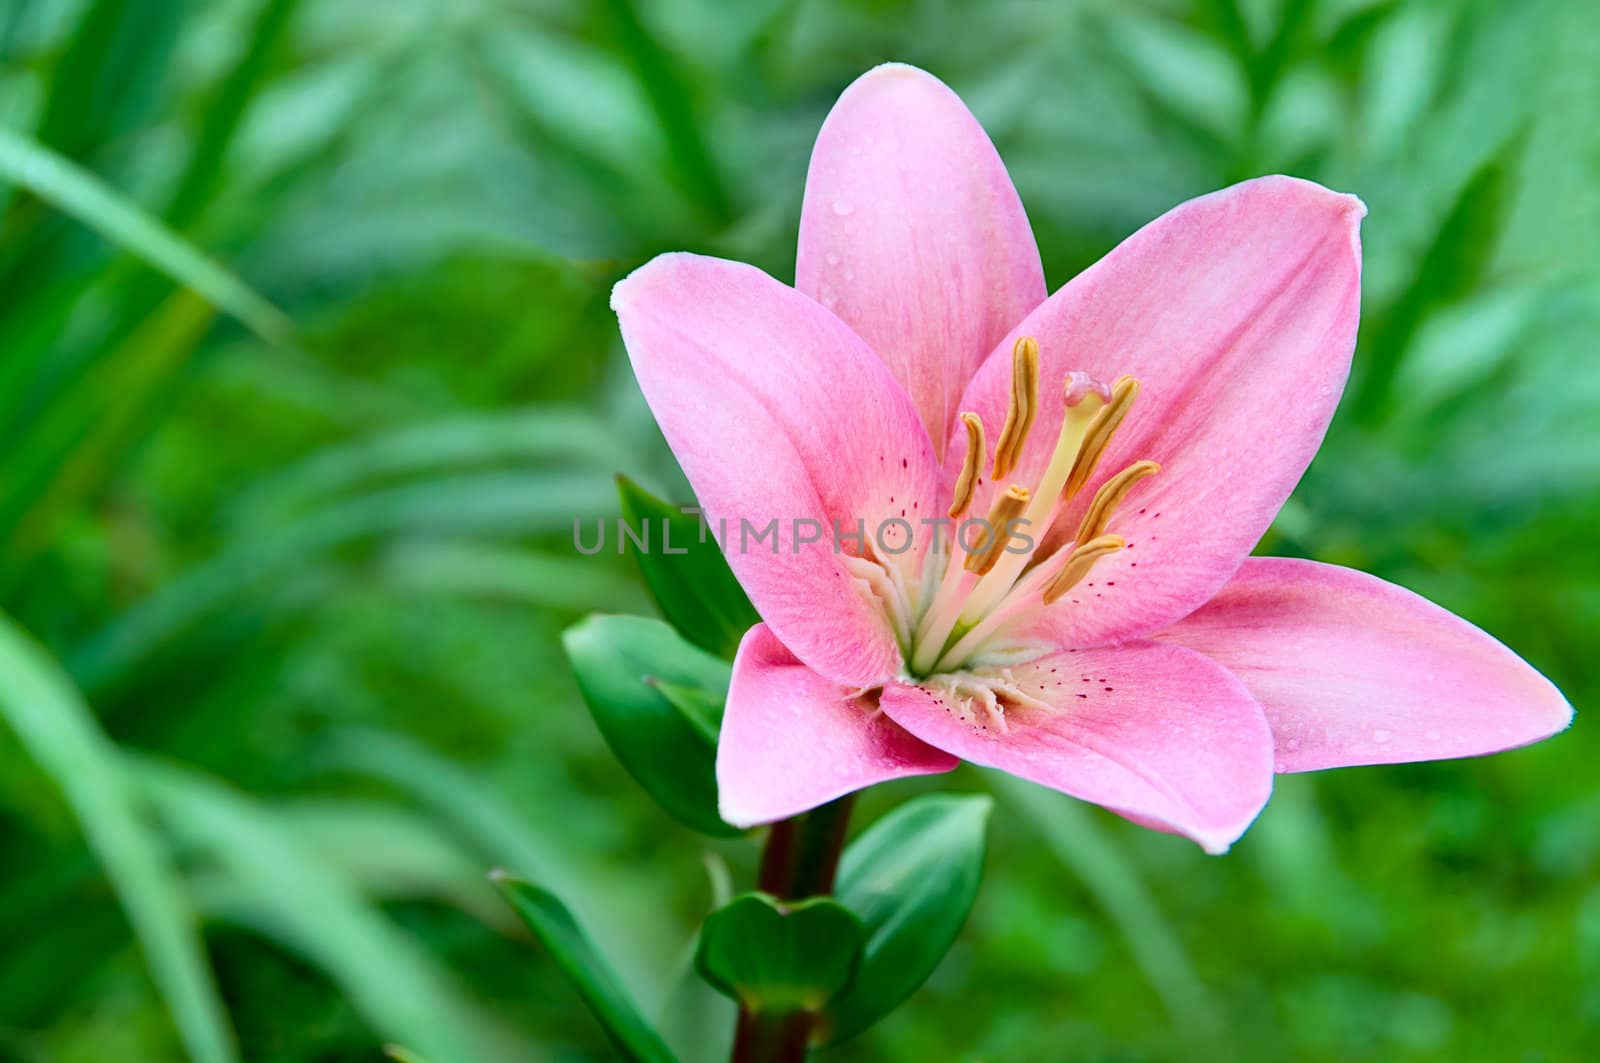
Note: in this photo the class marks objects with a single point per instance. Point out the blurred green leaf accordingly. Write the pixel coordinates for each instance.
(567, 944)
(777, 958)
(111, 70)
(499, 503)
(658, 701)
(674, 108)
(61, 734)
(627, 925)
(549, 436)
(686, 572)
(1069, 833)
(85, 436)
(486, 569)
(911, 878)
(1454, 264)
(306, 905)
(402, 1055)
(221, 120)
(78, 192)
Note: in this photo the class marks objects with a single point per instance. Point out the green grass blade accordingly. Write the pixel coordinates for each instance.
(545, 435)
(79, 193)
(311, 908)
(625, 922)
(62, 735)
(487, 504)
(586, 968)
(1070, 834)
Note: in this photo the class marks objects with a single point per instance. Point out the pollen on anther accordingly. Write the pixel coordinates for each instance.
(1023, 408)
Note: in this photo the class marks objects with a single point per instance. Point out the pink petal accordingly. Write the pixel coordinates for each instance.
(792, 740)
(778, 412)
(913, 234)
(1153, 732)
(1353, 670)
(1237, 311)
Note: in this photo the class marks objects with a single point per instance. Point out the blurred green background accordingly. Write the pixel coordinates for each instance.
(287, 541)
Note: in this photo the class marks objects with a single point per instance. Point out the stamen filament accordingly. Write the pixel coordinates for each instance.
(969, 597)
(969, 466)
(944, 611)
(1024, 406)
(940, 619)
(1007, 508)
(1080, 416)
(1110, 496)
(1015, 608)
(883, 582)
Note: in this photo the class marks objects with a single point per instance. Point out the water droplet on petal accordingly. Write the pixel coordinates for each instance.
(1292, 745)
(1381, 736)
(832, 258)
(1433, 736)
(843, 207)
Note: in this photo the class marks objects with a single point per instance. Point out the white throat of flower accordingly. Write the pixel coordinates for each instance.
(953, 622)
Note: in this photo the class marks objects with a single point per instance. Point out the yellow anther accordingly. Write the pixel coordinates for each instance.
(970, 466)
(1024, 406)
(1105, 425)
(1081, 560)
(997, 534)
(1110, 496)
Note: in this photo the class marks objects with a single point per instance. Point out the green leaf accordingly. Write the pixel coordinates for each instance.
(75, 191)
(911, 877)
(61, 734)
(1068, 831)
(775, 958)
(687, 575)
(555, 928)
(626, 922)
(701, 709)
(658, 702)
(402, 1055)
(281, 888)
(1457, 261)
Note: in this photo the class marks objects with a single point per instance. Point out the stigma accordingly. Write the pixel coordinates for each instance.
(993, 584)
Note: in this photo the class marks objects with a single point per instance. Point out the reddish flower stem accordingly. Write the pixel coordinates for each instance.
(799, 861)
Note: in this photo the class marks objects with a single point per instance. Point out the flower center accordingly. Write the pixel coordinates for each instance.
(993, 575)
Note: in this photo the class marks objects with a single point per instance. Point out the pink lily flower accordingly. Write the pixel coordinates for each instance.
(1128, 440)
